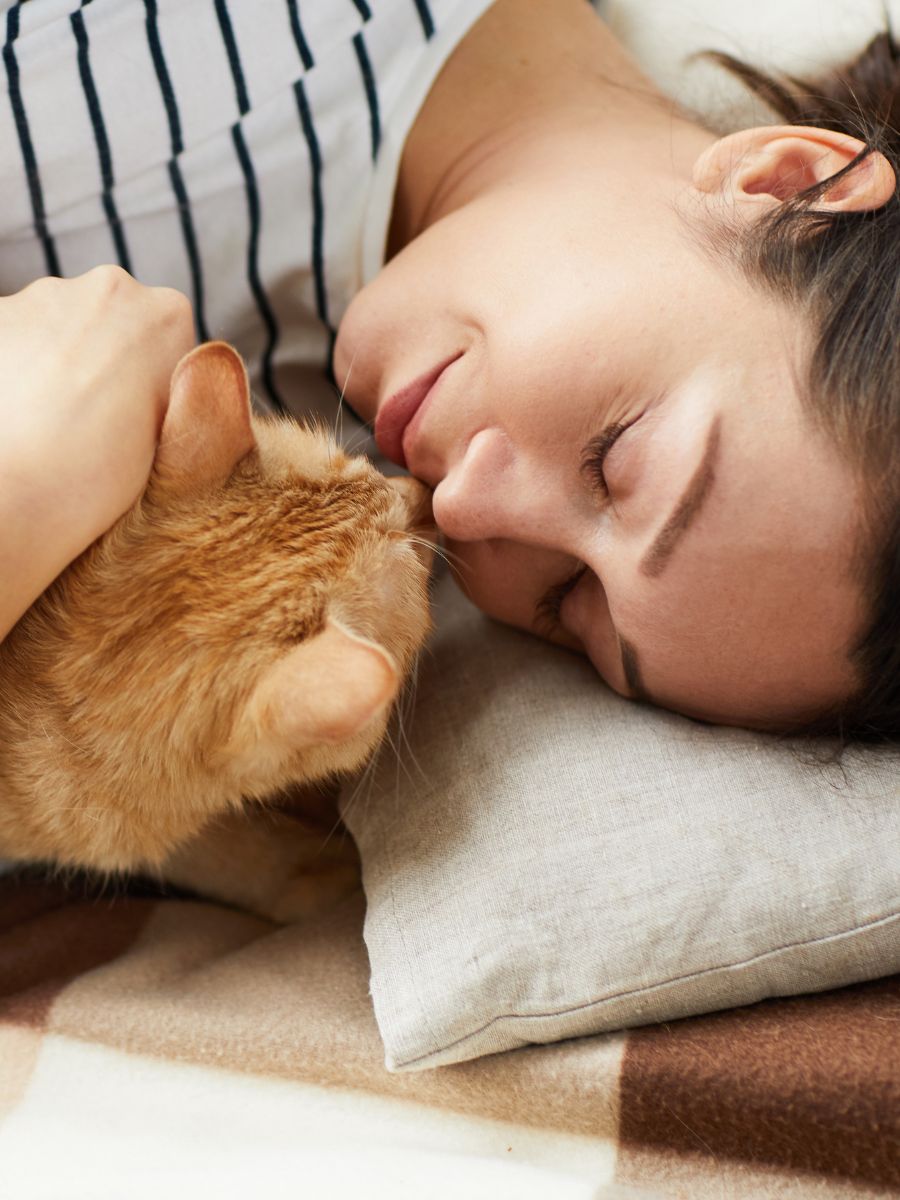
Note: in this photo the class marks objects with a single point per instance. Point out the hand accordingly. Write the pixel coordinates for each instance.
(86, 365)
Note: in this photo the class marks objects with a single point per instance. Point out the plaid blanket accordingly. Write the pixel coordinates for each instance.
(150, 1043)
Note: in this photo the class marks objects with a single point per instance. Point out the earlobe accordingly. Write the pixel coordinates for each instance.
(765, 166)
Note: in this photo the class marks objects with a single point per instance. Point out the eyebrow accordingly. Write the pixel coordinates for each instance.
(687, 509)
(657, 557)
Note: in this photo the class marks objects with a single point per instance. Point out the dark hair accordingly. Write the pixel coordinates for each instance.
(843, 268)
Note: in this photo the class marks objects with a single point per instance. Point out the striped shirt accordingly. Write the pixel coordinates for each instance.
(243, 151)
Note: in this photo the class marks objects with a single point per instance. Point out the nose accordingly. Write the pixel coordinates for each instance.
(497, 491)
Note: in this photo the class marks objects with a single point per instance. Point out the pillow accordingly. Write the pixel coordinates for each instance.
(801, 38)
(544, 859)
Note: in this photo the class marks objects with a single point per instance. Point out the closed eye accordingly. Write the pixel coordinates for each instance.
(594, 455)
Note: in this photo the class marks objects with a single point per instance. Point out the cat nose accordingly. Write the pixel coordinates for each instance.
(417, 498)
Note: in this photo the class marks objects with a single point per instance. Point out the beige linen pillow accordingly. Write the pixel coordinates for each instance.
(548, 860)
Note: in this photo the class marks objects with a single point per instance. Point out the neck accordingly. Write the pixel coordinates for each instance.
(533, 81)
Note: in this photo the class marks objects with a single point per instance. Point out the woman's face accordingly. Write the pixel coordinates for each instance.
(617, 447)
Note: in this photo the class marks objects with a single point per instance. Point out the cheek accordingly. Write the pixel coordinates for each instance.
(585, 613)
(507, 580)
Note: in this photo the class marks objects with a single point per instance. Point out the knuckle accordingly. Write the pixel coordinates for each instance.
(108, 279)
(174, 311)
(45, 286)
(174, 304)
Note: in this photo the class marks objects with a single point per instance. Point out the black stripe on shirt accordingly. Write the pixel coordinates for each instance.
(175, 176)
(100, 137)
(425, 17)
(256, 287)
(368, 77)
(163, 77)
(234, 58)
(254, 208)
(190, 245)
(318, 206)
(363, 9)
(26, 146)
(302, 45)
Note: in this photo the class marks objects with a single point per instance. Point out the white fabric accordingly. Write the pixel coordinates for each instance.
(215, 100)
(802, 37)
(124, 1125)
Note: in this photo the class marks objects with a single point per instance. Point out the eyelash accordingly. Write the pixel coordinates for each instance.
(595, 455)
(547, 611)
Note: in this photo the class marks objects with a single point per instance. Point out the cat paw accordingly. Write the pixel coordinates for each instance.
(269, 863)
(316, 890)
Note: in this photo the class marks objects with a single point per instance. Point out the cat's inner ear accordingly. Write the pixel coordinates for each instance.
(207, 429)
(325, 690)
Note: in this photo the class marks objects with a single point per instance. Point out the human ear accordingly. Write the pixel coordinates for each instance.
(207, 429)
(773, 163)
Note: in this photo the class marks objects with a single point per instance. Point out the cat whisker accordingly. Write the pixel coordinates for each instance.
(338, 433)
(366, 776)
(401, 764)
(316, 424)
(449, 556)
(361, 435)
(87, 812)
(408, 695)
(409, 751)
(60, 737)
(367, 799)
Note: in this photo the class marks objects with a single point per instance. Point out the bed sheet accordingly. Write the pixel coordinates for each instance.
(165, 1046)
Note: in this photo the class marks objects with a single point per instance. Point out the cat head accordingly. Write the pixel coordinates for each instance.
(246, 626)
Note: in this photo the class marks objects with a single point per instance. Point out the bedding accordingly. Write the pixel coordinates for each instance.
(802, 38)
(158, 1047)
(161, 1046)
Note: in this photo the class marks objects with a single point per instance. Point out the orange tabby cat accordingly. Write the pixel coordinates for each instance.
(245, 627)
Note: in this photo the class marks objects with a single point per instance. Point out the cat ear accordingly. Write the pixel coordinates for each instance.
(324, 691)
(207, 429)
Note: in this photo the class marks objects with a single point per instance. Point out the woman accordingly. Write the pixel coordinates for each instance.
(649, 372)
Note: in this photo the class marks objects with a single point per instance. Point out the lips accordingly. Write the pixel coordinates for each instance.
(398, 411)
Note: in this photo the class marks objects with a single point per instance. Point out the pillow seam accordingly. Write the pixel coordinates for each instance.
(653, 987)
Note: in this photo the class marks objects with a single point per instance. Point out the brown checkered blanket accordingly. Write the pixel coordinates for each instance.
(168, 1046)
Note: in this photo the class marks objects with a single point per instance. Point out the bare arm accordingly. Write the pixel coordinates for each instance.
(86, 370)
